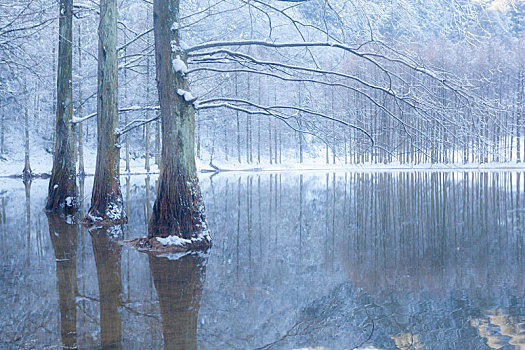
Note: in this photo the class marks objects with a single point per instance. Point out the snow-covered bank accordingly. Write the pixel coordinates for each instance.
(42, 164)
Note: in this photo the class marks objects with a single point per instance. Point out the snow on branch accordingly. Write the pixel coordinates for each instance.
(214, 44)
(371, 57)
(232, 103)
(385, 90)
(135, 124)
(76, 120)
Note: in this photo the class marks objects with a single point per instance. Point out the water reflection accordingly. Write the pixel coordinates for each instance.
(64, 236)
(107, 253)
(333, 260)
(179, 282)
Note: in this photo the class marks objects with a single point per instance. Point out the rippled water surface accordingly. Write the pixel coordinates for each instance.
(422, 260)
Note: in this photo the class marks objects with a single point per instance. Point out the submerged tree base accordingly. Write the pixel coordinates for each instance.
(172, 244)
(90, 221)
(106, 210)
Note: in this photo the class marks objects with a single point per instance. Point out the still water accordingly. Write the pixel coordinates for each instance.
(423, 260)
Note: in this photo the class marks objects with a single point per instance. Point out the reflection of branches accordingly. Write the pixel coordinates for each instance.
(318, 321)
(293, 331)
(372, 322)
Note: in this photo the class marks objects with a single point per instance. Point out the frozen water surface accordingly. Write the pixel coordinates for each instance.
(330, 260)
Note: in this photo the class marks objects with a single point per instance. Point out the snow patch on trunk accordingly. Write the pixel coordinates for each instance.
(179, 66)
(188, 97)
(114, 211)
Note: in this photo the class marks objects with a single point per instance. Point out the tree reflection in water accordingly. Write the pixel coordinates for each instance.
(107, 252)
(179, 282)
(64, 236)
(407, 260)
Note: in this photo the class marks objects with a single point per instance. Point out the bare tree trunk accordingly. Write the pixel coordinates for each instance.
(178, 208)
(299, 134)
(27, 173)
(63, 191)
(259, 125)
(126, 150)
(147, 151)
(275, 149)
(106, 200)
(146, 164)
(81, 170)
(270, 139)
(238, 122)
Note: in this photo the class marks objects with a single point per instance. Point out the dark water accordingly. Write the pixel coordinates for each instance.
(338, 261)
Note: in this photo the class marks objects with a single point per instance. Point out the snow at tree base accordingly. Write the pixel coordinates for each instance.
(262, 174)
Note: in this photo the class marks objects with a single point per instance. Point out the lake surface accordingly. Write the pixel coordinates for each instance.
(424, 260)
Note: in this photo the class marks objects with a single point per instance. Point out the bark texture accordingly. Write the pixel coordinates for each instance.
(178, 208)
(64, 237)
(106, 200)
(179, 285)
(62, 192)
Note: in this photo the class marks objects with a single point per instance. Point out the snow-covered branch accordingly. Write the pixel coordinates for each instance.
(274, 110)
(77, 120)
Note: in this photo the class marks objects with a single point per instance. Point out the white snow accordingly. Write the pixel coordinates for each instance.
(179, 66)
(183, 45)
(175, 26)
(114, 211)
(178, 241)
(173, 240)
(55, 187)
(115, 231)
(174, 256)
(188, 97)
(69, 201)
(94, 218)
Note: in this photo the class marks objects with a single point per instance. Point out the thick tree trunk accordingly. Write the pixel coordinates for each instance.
(157, 143)
(179, 284)
(106, 200)
(126, 138)
(178, 209)
(64, 237)
(63, 191)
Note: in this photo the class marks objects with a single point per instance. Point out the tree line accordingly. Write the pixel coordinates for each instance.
(270, 81)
